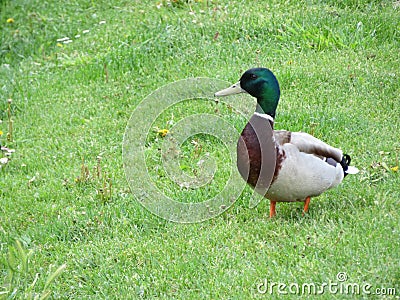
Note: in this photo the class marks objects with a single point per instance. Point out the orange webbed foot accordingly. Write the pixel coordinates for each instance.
(306, 204)
(272, 211)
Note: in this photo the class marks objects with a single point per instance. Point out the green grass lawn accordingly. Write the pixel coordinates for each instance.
(64, 195)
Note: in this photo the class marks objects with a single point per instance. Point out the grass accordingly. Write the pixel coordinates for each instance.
(338, 65)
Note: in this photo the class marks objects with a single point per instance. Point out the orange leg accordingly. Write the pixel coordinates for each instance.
(306, 204)
(272, 211)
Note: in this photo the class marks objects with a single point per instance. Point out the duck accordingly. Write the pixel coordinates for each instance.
(281, 165)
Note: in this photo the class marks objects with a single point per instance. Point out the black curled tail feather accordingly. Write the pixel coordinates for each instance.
(345, 163)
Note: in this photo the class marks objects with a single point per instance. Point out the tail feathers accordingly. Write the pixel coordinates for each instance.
(345, 163)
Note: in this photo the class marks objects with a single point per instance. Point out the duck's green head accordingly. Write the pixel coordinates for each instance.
(262, 84)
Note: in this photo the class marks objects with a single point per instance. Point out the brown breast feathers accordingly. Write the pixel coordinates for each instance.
(256, 153)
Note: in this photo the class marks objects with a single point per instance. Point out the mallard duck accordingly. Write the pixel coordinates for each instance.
(298, 165)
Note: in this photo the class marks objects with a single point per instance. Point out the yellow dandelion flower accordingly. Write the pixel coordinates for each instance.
(395, 169)
(163, 132)
(59, 45)
(1, 132)
(10, 20)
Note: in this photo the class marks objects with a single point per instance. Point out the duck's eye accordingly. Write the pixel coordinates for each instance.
(253, 76)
